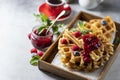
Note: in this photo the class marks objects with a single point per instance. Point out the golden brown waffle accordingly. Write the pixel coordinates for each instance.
(98, 56)
(77, 41)
(104, 32)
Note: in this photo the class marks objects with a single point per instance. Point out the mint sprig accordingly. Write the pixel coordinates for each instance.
(43, 18)
(46, 23)
(34, 60)
(81, 26)
(41, 28)
(85, 31)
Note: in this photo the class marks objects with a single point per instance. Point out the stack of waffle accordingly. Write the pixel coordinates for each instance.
(76, 54)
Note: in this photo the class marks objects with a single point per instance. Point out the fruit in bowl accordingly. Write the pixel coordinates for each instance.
(41, 40)
(41, 36)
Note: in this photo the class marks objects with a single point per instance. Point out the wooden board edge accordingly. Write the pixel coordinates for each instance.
(46, 54)
(71, 23)
(60, 72)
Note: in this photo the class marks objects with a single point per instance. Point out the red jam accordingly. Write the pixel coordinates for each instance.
(90, 43)
(41, 41)
(86, 57)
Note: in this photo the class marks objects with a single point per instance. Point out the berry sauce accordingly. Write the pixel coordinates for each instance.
(90, 43)
(41, 41)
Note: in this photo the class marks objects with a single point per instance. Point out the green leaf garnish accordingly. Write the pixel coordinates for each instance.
(43, 18)
(41, 28)
(81, 26)
(38, 16)
(59, 25)
(85, 31)
(46, 23)
(34, 60)
(56, 27)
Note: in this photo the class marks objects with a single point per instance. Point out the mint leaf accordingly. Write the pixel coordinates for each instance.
(46, 23)
(81, 24)
(55, 29)
(34, 60)
(43, 18)
(59, 25)
(41, 28)
(38, 17)
(85, 31)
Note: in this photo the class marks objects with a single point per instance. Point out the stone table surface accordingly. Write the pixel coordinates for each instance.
(17, 20)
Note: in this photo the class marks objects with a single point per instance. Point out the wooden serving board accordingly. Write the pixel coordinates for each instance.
(46, 61)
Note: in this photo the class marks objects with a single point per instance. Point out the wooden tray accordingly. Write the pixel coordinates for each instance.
(46, 61)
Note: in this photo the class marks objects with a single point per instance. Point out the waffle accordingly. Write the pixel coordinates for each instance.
(104, 32)
(97, 57)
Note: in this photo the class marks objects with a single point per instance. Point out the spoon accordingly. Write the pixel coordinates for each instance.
(61, 14)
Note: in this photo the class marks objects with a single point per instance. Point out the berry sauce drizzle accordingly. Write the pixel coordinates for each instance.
(90, 43)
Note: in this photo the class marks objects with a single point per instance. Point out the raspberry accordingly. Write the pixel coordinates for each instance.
(75, 48)
(29, 35)
(77, 34)
(63, 41)
(34, 50)
(40, 53)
